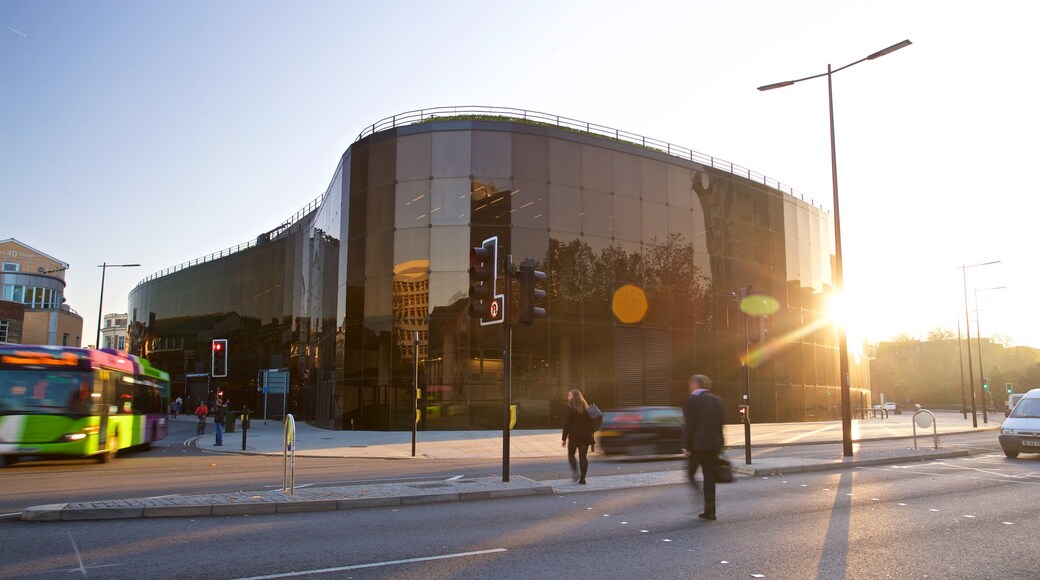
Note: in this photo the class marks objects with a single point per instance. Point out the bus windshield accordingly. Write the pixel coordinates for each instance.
(51, 392)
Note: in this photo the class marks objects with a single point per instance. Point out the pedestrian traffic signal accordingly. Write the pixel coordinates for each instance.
(483, 271)
(219, 366)
(743, 410)
(530, 293)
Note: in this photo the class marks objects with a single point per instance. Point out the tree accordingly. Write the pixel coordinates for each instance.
(937, 334)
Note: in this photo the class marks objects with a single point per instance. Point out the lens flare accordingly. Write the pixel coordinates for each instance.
(630, 304)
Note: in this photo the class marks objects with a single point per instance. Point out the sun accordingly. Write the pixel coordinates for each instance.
(840, 310)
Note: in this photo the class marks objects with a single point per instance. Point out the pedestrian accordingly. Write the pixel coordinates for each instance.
(201, 412)
(219, 416)
(577, 434)
(702, 438)
(177, 407)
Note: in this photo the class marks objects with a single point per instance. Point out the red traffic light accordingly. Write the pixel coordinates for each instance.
(217, 346)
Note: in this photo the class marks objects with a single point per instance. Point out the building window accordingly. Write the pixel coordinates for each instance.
(122, 343)
(5, 328)
(65, 339)
(11, 266)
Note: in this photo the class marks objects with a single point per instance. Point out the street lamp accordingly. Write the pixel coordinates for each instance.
(101, 301)
(978, 336)
(843, 347)
(967, 323)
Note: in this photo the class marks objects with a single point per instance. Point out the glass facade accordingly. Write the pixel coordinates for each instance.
(644, 253)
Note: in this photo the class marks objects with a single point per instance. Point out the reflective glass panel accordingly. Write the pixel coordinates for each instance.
(597, 213)
(654, 180)
(680, 187)
(564, 208)
(530, 204)
(414, 157)
(564, 163)
(412, 204)
(596, 170)
(451, 154)
(627, 174)
(451, 201)
(492, 154)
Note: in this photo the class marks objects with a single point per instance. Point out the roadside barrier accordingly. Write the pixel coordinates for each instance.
(289, 457)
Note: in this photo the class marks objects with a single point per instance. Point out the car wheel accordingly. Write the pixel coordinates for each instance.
(1011, 454)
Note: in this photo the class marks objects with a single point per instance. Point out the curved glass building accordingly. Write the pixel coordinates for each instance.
(647, 247)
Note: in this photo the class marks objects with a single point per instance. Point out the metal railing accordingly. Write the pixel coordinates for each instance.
(273, 234)
(487, 113)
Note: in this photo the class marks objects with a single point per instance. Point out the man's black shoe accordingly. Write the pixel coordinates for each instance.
(707, 517)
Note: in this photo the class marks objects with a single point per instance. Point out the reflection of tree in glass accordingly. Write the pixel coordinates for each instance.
(665, 270)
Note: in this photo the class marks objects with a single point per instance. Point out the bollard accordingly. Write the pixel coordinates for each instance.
(245, 426)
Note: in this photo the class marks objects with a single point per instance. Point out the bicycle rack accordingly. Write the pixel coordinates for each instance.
(926, 422)
(289, 457)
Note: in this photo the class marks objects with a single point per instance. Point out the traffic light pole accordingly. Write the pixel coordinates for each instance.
(507, 327)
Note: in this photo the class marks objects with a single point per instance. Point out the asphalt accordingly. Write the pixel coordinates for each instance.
(272, 437)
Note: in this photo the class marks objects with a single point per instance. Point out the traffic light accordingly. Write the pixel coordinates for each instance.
(1010, 388)
(743, 410)
(985, 383)
(483, 271)
(219, 365)
(530, 293)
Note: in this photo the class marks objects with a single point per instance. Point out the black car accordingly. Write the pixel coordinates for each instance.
(641, 431)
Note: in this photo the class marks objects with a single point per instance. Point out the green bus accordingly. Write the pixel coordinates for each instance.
(77, 402)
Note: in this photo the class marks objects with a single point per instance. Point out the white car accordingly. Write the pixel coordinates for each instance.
(1020, 432)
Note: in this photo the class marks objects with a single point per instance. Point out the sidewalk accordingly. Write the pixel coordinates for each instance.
(268, 439)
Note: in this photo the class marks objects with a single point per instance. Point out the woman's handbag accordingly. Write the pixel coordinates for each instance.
(723, 471)
(596, 415)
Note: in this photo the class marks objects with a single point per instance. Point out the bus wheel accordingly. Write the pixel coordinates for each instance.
(8, 460)
(111, 446)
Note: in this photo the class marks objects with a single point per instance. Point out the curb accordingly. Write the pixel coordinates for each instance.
(275, 502)
(360, 497)
(754, 471)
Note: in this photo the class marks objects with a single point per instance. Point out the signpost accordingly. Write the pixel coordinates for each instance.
(274, 381)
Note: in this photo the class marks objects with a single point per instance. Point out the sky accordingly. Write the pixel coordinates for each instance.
(159, 132)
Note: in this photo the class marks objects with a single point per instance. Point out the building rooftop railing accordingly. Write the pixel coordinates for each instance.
(284, 228)
(486, 113)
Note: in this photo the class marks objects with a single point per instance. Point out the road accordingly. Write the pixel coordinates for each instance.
(175, 467)
(956, 518)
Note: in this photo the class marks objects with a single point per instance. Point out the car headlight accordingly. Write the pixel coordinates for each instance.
(1007, 431)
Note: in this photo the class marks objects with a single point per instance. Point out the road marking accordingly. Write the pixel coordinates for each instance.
(353, 482)
(10, 514)
(376, 564)
(453, 478)
(809, 434)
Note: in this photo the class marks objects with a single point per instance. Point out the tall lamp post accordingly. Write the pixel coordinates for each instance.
(967, 324)
(843, 347)
(978, 336)
(101, 301)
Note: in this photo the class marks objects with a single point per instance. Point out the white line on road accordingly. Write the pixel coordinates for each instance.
(454, 478)
(351, 482)
(810, 433)
(375, 564)
(10, 514)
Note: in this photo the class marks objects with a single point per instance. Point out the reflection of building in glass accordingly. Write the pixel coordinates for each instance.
(337, 292)
(411, 306)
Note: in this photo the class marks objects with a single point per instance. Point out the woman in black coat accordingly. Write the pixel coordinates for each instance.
(577, 433)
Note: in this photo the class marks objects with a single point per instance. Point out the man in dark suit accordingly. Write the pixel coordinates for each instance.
(702, 437)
